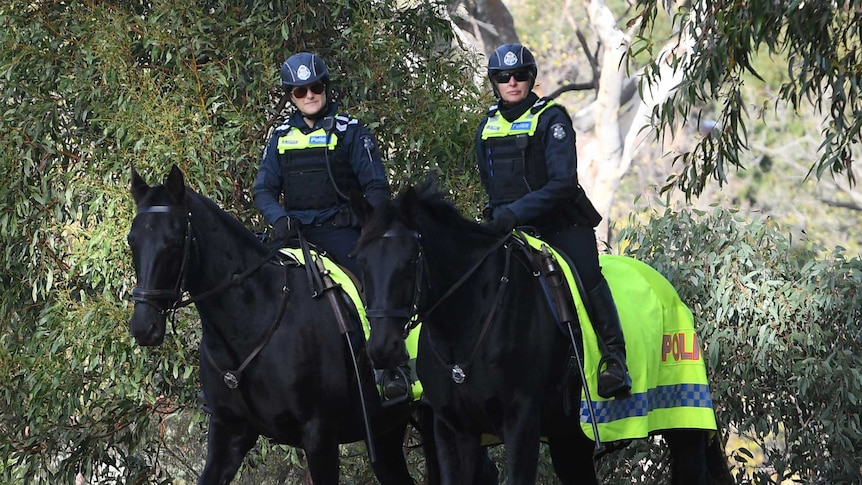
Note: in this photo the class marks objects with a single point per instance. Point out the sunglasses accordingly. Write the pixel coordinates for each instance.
(503, 77)
(301, 91)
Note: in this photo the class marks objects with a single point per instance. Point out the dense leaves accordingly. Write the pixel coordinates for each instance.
(781, 328)
(89, 88)
(818, 41)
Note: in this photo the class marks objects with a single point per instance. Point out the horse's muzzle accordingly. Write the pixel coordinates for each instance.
(386, 346)
(147, 325)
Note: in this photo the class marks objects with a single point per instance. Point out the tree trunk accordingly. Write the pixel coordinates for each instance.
(489, 21)
(601, 165)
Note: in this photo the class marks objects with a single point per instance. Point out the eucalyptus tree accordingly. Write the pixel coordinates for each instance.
(819, 44)
(89, 88)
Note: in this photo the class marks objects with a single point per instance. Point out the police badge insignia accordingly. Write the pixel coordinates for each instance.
(558, 131)
(303, 73)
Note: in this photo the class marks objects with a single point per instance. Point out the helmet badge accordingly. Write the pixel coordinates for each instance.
(303, 72)
(510, 59)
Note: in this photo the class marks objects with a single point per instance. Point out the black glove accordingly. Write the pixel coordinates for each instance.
(285, 228)
(503, 222)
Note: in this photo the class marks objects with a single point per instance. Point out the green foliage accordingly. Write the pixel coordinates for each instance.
(89, 88)
(817, 41)
(781, 328)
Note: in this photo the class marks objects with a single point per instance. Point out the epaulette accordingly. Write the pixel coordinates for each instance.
(540, 104)
(493, 111)
(284, 126)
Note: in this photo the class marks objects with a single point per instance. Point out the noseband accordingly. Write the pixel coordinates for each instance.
(173, 296)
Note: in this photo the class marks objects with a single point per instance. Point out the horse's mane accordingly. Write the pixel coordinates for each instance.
(233, 225)
(413, 206)
(434, 204)
(159, 194)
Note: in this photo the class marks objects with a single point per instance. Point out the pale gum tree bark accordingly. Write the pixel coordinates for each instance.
(601, 165)
(607, 156)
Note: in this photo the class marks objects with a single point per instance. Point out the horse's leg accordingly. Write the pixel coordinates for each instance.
(688, 456)
(321, 453)
(522, 437)
(572, 456)
(457, 453)
(486, 470)
(390, 466)
(227, 445)
(425, 425)
(716, 460)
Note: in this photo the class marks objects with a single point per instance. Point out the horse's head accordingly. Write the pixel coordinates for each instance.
(389, 254)
(160, 239)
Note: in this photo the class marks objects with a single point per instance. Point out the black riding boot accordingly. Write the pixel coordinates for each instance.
(614, 379)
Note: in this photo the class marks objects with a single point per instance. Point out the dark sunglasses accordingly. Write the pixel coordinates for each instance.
(301, 91)
(503, 77)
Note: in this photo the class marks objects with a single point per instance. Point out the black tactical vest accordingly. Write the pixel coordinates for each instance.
(313, 172)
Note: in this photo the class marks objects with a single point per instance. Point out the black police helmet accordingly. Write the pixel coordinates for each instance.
(302, 69)
(512, 57)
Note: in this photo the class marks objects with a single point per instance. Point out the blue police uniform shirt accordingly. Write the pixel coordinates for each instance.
(557, 135)
(362, 153)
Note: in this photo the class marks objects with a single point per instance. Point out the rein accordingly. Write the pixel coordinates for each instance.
(175, 296)
(176, 301)
(459, 373)
(469, 273)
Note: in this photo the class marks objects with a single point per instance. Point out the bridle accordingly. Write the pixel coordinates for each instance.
(176, 297)
(173, 297)
(420, 275)
(414, 315)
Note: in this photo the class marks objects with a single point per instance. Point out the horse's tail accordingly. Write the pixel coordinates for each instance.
(716, 462)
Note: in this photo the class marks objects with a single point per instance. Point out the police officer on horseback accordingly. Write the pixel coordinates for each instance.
(525, 150)
(310, 166)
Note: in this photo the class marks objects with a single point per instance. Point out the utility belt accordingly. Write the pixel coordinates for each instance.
(344, 217)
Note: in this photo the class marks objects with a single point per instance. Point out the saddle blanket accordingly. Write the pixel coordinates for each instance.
(341, 278)
(669, 385)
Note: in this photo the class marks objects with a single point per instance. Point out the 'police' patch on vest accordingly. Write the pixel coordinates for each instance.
(521, 125)
(317, 140)
(558, 131)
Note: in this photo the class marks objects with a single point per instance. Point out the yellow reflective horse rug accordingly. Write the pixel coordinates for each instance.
(669, 385)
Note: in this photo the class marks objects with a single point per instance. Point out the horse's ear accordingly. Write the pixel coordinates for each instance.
(360, 205)
(409, 205)
(139, 187)
(175, 183)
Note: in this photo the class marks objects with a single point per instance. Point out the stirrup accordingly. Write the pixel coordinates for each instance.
(399, 375)
(620, 385)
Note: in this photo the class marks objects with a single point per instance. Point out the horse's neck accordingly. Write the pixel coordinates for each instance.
(448, 263)
(218, 254)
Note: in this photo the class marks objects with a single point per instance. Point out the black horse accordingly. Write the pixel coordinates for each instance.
(491, 359)
(273, 361)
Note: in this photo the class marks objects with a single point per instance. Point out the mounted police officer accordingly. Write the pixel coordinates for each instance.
(525, 150)
(314, 161)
